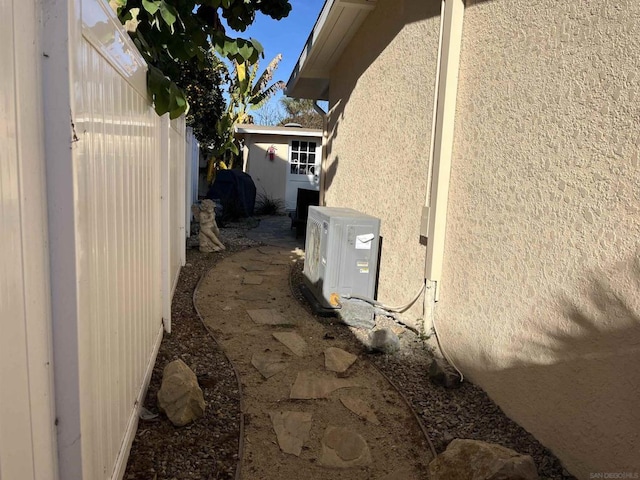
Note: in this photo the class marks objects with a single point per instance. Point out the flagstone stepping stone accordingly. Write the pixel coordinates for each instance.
(252, 280)
(338, 360)
(361, 409)
(293, 342)
(309, 386)
(292, 430)
(344, 448)
(269, 363)
(254, 267)
(268, 316)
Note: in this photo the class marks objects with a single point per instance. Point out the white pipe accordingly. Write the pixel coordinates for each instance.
(323, 159)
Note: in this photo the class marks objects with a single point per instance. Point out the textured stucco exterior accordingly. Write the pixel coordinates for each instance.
(540, 299)
(379, 129)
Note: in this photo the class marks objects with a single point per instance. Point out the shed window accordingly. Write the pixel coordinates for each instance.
(303, 158)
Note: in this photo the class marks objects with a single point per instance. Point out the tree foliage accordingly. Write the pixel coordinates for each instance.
(247, 91)
(202, 87)
(300, 111)
(166, 31)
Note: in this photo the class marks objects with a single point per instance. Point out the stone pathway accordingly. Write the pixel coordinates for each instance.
(314, 407)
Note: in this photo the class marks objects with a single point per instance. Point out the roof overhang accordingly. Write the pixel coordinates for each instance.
(337, 23)
(249, 129)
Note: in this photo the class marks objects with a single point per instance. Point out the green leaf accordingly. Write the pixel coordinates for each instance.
(162, 101)
(168, 13)
(257, 46)
(151, 6)
(245, 51)
(157, 80)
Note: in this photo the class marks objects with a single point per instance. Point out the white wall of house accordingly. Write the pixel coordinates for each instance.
(83, 249)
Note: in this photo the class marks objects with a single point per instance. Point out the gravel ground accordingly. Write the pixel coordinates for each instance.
(208, 449)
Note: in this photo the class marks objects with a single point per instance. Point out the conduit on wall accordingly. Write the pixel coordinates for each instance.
(435, 214)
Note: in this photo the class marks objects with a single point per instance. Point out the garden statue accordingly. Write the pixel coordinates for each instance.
(209, 236)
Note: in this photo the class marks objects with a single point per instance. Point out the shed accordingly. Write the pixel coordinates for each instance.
(281, 159)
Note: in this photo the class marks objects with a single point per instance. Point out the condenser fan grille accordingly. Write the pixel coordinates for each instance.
(312, 259)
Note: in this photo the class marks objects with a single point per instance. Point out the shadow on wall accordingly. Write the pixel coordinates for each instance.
(392, 16)
(388, 19)
(584, 379)
(330, 173)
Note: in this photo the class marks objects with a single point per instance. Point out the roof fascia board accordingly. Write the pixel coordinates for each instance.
(291, 132)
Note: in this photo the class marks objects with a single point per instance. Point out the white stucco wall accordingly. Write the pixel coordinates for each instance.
(379, 129)
(540, 299)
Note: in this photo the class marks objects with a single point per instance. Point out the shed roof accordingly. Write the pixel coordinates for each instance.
(270, 130)
(334, 28)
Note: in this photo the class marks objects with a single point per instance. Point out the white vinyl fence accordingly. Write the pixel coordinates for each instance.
(173, 206)
(90, 251)
(193, 169)
(27, 435)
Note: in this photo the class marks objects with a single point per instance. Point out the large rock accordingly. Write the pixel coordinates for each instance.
(357, 313)
(475, 460)
(384, 340)
(180, 396)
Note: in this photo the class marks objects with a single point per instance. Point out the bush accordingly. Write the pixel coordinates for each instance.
(267, 205)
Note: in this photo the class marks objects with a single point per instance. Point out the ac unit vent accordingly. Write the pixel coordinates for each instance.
(341, 253)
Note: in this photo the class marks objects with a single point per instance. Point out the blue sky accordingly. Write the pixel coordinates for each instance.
(286, 36)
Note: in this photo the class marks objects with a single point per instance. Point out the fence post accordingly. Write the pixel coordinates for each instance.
(189, 146)
(165, 220)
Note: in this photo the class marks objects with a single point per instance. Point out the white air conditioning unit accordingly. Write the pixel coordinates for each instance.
(341, 254)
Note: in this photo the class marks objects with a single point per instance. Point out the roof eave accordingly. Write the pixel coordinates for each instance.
(337, 23)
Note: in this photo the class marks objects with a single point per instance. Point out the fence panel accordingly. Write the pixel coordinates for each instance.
(27, 439)
(118, 191)
(193, 166)
(178, 150)
(173, 148)
(105, 206)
